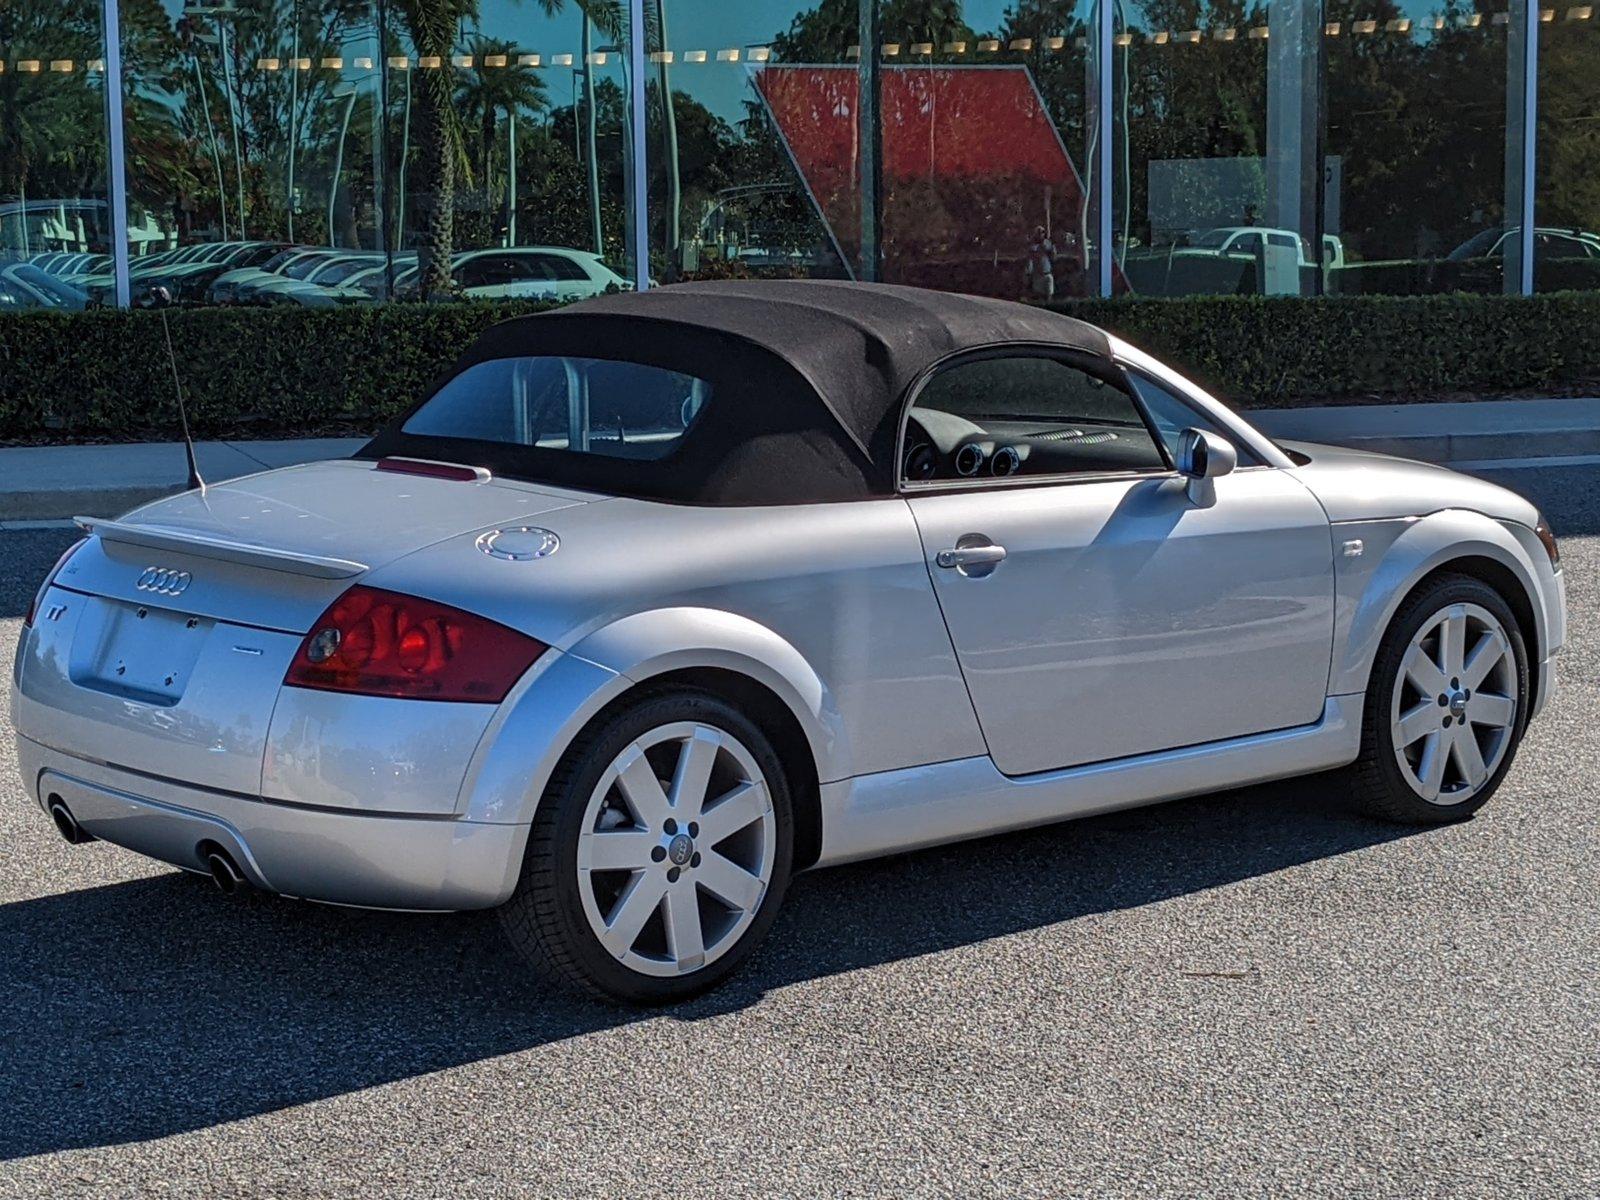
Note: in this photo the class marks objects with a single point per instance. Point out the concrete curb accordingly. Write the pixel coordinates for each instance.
(48, 483)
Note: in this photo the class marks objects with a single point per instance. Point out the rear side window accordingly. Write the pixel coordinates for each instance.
(585, 405)
(556, 267)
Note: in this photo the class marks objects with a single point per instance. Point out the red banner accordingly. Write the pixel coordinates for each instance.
(979, 194)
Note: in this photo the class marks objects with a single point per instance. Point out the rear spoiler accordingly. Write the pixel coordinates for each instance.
(181, 541)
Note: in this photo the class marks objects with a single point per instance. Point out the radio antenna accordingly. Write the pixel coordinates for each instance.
(195, 479)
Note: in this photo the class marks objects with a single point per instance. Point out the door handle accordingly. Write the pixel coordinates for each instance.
(973, 555)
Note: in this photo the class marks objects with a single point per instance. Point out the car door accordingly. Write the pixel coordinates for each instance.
(1096, 609)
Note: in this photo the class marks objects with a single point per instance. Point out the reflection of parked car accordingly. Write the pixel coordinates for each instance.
(1252, 239)
(23, 285)
(1562, 258)
(534, 272)
(72, 266)
(1558, 243)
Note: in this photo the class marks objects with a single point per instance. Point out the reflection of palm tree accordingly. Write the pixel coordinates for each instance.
(606, 16)
(433, 27)
(669, 133)
(489, 91)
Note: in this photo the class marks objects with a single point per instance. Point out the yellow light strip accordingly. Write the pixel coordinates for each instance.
(494, 60)
(989, 44)
(527, 60)
(955, 47)
(61, 66)
(333, 64)
(561, 60)
(267, 64)
(727, 56)
(922, 47)
(1055, 43)
(1023, 44)
(694, 56)
(760, 53)
(1260, 33)
(461, 60)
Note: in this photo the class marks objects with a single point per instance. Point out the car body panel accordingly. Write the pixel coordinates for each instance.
(1358, 485)
(1122, 606)
(403, 862)
(210, 723)
(370, 753)
(872, 815)
(641, 588)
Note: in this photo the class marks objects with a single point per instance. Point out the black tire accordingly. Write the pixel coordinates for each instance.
(1376, 781)
(545, 918)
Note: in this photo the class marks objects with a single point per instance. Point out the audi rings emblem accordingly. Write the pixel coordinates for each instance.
(164, 581)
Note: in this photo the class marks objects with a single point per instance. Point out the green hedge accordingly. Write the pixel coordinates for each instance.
(105, 374)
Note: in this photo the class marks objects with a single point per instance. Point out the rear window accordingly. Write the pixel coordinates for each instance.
(586, 405)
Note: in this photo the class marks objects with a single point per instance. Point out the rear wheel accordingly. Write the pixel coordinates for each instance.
(659, 854)
(1445, 707)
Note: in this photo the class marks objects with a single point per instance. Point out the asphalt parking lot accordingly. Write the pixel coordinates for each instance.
(1254, 993)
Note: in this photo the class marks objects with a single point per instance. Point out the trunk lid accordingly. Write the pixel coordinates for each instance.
(266, 550)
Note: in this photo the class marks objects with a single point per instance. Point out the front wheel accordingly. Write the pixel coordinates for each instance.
(659, 854)
(1446, 705)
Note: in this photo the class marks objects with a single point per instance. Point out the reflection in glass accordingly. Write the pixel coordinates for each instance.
(55, 226)
(1566, 247)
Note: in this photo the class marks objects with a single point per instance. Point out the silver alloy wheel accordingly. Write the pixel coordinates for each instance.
(676, 849)
(1454, 706)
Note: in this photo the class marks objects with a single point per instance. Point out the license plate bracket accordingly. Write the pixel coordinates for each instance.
(144, 653)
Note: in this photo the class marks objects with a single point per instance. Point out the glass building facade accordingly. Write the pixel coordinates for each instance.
(331, 152)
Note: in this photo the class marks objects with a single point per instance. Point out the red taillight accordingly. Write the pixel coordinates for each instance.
(33, 606)
(378, 643)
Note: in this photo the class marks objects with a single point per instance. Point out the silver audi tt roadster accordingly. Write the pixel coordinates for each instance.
(660, 598)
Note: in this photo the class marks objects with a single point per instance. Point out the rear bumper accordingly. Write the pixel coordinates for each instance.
(366, 859)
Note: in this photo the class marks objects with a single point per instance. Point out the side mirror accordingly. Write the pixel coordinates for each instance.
(1204, 457)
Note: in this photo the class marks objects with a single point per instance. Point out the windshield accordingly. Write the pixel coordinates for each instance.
(587, 405)
(1214, 239)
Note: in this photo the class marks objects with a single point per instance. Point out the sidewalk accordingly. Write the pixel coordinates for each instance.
(52, 483)
(1460, 434)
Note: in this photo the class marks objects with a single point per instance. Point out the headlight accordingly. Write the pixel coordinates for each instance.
(1547, 538)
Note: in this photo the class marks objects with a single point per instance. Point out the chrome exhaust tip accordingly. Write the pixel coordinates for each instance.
(66, 824)
(224, 873)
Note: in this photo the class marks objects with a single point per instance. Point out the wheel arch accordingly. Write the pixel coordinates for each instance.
(1449, 542)
(719, 652)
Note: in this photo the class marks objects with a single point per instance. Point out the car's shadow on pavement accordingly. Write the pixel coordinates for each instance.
(142, 1009)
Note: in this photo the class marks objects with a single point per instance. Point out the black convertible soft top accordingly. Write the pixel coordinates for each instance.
(807, 378)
